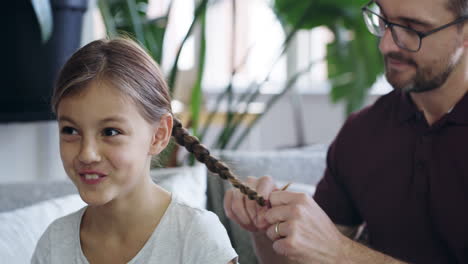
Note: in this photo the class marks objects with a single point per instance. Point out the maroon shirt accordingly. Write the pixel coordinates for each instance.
(406, 180)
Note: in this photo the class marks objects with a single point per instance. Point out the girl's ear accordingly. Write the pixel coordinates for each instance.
(161, 134)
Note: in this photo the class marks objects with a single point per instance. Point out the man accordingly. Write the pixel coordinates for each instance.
(400, 165)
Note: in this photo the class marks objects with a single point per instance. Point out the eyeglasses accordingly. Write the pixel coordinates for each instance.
(405, 37)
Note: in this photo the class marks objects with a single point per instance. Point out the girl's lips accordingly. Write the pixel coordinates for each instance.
(83, 172)
(91, 177)
(91, 180)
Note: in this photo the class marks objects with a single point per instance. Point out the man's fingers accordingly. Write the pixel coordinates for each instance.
(265, 186)
(277, 214)
(233, 211)
(246, 212)
(228, 196)
(238, 208)
(278, 230)
(228, 203)
(250, 205)
(285, 247)
(285, 197)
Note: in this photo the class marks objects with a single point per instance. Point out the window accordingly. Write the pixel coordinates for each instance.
(254, 50)
(259, 38)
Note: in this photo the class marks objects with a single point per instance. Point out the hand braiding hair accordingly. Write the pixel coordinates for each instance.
(202, 154)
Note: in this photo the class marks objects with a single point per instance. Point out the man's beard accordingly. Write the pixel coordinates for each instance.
(425, 78)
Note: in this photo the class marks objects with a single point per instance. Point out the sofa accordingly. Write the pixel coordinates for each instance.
(26, 209)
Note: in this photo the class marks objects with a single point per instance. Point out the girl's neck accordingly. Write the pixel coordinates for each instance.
(138, 212)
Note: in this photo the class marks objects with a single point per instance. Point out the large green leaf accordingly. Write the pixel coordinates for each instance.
(197, 93)
(154, 31)
(108, 18)
(324, 12)
(355, 63)
(200, 10)
(355, 67)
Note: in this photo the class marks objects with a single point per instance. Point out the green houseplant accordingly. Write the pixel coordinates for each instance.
(353, 59)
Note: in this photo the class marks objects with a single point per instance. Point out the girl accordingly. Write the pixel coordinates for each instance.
(114, 114)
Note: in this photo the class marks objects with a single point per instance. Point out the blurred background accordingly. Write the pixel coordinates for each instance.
(251, 75)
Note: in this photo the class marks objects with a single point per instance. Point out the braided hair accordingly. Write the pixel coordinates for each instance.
(202, 154)
(130, 69)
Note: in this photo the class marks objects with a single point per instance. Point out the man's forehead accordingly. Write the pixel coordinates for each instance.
(432, 11)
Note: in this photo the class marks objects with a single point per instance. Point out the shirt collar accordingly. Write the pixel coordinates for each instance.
(459, 113)
(407, 110)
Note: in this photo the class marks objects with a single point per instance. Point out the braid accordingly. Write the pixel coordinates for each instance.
(202, 154)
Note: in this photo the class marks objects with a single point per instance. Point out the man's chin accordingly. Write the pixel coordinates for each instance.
(399, 83)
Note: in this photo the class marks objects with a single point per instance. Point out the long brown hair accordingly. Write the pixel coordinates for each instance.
(130, 69)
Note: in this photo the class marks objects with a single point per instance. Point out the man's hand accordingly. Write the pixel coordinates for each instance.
(247, 213)
(304, 233)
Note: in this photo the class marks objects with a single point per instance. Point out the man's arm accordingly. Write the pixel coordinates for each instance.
(355, 252)
(359, 253)
(264, 246)
(306, 234)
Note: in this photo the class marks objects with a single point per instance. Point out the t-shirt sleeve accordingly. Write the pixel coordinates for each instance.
(209, 241)
(332, 194)
(41, 253)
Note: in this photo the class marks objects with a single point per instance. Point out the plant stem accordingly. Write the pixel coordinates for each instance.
(231, 128)
(290, 83)
(201, 9)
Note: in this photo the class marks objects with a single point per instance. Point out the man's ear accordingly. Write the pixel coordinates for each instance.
(161, 134)
(465, 35)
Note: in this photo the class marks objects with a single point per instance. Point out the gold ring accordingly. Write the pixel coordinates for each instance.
(277, 231)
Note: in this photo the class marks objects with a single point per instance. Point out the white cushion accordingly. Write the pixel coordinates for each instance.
(187, 183)
(20, 229)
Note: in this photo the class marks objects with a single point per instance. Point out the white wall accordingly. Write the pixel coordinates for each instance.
(29, 151)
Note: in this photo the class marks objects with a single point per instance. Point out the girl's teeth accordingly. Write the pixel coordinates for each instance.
(91, 176)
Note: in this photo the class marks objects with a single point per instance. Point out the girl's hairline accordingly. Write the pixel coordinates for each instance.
(100, 79)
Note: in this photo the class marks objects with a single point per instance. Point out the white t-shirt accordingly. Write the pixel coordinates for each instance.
(184, 235)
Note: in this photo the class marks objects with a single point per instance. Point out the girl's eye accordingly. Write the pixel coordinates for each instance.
(110, 132)
(69, 131)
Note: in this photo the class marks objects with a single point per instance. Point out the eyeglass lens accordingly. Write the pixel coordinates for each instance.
(403, 37)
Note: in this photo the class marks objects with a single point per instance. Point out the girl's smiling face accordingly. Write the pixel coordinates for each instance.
(105, 143)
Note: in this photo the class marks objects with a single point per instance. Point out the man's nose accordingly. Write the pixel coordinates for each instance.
(89, 152)
(387, 43)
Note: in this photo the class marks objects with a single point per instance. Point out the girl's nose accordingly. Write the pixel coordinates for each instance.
(89, 153)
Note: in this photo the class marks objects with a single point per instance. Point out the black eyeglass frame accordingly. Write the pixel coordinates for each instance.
(420, 34)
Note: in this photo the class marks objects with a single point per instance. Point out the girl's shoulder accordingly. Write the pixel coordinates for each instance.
(179, 206)
(64, 225)
(187, 222)
(189, 217)
(181, 226)
(60, 237)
